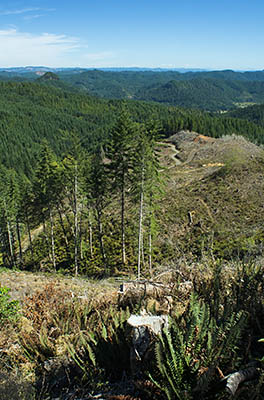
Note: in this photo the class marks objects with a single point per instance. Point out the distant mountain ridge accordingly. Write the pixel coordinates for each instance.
(206, 90)
(112, 69)
(227, 73)
(208, 94)
(22, 70)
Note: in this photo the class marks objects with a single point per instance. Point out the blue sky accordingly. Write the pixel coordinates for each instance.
(211, 34)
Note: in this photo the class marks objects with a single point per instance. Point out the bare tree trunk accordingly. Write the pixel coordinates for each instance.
(142, 249)
(90, 234)
(76, 221)
(80, 231)
(10, 240)
(19, 242)
(100, 234)
(140, 244)
(150, 238)
(123, 223)
(52, 239)
(150, 254)
(29, 236)
(63, 227)
(46, 238)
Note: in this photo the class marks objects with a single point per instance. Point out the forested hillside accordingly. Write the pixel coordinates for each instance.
(55, 150)
(206, 94)
(253, 114)
(207, 90)
(218, 90)
(31, 112)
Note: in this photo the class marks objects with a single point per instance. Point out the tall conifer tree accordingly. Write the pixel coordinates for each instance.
(47, 185)
(97, 192)
(120, 152)
(146, 185)
(73, 175)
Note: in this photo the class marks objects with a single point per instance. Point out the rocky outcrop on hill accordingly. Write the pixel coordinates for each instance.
(48, 76)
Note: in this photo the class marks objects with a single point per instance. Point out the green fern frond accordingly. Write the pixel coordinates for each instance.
(91, 354)
(104, 332)
(75, 357)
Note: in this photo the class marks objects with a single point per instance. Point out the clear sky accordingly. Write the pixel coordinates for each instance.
(213, 34)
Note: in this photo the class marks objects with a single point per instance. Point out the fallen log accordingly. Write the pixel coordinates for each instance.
(235, 379)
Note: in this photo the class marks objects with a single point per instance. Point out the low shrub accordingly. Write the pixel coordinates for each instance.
(9, 309)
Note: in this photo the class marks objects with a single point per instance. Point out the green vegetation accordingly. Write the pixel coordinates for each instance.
(8, 308)
(212, 90)
(217, 90)
(206, 94)
(30, 112)
(196, 340)
(69, 202)
(99, 188)
(252, 113)
(82, 344)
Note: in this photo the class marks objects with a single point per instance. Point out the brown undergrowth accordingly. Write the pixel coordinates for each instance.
(65, 342)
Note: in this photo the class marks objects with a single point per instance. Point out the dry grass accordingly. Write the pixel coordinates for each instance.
(54, 310)
(53, 321)
(24, 284)
(202, 156)
(55, 313)
(220, 184)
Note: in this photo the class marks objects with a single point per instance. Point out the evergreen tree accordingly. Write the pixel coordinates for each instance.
(47, 186)
(72, 165)
(10, 205)
(97, 193)
(26, 212)
(146, 185)
(120, 152)
(13, 209)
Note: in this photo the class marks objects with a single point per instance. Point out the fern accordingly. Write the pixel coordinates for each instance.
(171, 367)
(194, 342)
(76, 357)
(104, 347)
(104, 332)
(45, 342)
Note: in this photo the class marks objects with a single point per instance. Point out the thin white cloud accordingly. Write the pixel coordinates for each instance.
(25, 11)
(20, 11)
(33, 16)
(53, 50)
(19, 48)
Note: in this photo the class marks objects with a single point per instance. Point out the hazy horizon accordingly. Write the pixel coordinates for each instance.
(178, 69)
